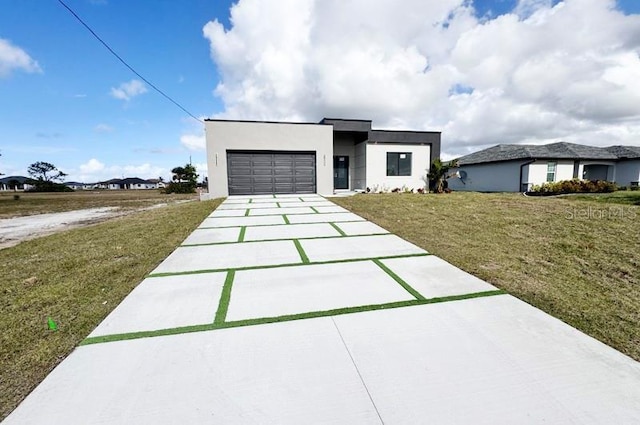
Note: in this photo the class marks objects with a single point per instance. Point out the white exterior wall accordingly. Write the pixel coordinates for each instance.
(494, 177)
(376, 166)
(222, 136)
(536, 172)
(627, 172)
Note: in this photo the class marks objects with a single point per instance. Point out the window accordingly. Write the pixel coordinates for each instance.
(398, 163)
(551, 171)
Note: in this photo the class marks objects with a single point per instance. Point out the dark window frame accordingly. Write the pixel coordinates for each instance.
(398, 166)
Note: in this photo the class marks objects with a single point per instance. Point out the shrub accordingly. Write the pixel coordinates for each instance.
(575, 186)
(180, 187)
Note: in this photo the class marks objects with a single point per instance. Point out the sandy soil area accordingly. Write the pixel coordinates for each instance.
(15, 230)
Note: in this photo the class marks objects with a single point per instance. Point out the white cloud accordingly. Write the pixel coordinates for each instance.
(92, 166)
(129, 90)
(201, 169)
(193, 142)
(13, 58)
(545, 72)
(95, 170)
(103, 128)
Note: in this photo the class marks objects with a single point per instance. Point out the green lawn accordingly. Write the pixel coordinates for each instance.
(627, 197)
(578, 260)
(76, 277)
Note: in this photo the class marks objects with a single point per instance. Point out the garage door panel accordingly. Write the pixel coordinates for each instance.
(271, 172)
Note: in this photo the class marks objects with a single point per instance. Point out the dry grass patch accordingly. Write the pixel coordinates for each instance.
(39, 203)
(573, 258)
(76, 278)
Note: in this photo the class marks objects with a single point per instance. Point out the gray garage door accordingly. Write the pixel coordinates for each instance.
(260, 172)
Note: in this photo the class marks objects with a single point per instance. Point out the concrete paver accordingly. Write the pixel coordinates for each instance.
(324, 218)
(269, 293)
(433, 277)
(358, 247)
(245, 206)
(204, 236)
(283, 210)
(166, 302)
(290, 231)
(330, 209)
(241, 221)
(228, 213)
(361, 228)
(211, 257)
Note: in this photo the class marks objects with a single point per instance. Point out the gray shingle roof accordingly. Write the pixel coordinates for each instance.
(623, 152)
(560, 150)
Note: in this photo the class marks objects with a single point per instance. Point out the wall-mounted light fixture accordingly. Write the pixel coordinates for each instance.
(216, 159)
(324, 159)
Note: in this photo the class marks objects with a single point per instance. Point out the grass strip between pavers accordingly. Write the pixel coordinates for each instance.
(284, 205)
(274, 224)
(275, 266)
(303, 255)
(417, 295)
(284, 217)
(243, 230)
(315, 210)
(225, 297)
(246, 212)
(285, 318)
(342, 233)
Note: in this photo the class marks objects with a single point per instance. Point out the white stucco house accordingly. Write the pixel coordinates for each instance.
(259, 157)
(516, 168)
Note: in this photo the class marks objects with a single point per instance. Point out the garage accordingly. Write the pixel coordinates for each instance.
(267, 172)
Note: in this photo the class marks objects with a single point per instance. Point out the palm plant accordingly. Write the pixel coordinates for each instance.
(439, 173)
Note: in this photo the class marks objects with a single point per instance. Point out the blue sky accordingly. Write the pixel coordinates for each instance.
(65, 99)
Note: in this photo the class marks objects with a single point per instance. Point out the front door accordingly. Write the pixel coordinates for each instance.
(341, 172)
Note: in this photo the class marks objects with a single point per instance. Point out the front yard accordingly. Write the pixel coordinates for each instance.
(577, 259)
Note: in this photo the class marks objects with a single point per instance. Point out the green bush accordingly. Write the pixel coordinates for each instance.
(575, 186)
(180, 187)
(47, 186)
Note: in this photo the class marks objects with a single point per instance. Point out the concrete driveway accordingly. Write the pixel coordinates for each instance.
(292, 310)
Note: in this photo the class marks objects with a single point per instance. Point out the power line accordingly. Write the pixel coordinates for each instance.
(126, 64)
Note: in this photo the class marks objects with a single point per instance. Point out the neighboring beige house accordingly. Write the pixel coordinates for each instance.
(516, 168)
(258, 157)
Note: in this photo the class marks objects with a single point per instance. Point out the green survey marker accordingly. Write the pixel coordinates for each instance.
(52, 325)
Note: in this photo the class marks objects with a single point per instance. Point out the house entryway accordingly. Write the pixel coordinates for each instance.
(341, 172)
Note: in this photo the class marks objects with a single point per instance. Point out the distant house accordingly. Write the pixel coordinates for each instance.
(14, 183)
(75, 185)
(159, 184)
(514, 168)
(129, 183)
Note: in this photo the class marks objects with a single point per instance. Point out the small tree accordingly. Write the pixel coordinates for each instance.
(439, 173)
(46, 177)
(184, 179)
(45, 172)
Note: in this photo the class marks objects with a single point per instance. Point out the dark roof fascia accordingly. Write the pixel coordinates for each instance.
(347, 125)
(264, 122)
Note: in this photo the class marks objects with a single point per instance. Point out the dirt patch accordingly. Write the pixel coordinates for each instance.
(18, 229)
